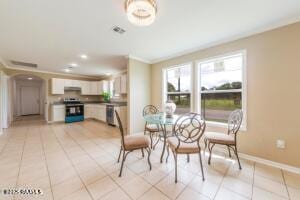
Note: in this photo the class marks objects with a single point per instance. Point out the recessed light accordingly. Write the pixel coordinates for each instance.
(67, 70)
(107, 74)
(83, 56)
(74, 64)
(29, 78)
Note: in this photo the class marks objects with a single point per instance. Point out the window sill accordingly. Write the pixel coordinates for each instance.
(223, 125)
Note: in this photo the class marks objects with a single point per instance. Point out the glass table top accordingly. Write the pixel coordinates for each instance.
(160, 118)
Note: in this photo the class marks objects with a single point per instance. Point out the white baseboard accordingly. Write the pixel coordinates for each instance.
(271, 163)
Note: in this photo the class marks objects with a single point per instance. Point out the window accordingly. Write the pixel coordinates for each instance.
(178, 87)
(221, 86)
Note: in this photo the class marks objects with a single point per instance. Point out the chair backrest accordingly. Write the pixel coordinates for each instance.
(150, 109)
(189, 128)
(121, 129)
(234, 121)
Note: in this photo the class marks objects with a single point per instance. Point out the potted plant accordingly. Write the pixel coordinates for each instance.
(106, 96)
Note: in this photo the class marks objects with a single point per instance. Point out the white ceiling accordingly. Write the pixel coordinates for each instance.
(54, 33)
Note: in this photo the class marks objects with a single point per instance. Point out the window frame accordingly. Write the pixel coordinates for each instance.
(243, 90)
(165, 86)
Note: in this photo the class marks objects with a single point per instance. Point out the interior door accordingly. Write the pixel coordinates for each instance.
(30, 100)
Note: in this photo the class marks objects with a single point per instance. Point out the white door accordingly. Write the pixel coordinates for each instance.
(30, 100)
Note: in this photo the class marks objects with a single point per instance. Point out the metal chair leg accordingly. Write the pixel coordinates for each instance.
(123, 160)
(237, 156)
(158, 138)
(201, 165)
(119, 154)
(188, 158)
(168, 153)
(229, 151)
(175, 159)
(210, 151)
(143, 152)
(151, 140)
(149, 153)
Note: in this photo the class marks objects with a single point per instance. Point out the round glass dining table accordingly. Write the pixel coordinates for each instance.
(162, 121)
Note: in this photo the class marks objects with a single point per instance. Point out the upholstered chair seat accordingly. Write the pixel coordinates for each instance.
(184, 148)
(133, 142)
(220, 138)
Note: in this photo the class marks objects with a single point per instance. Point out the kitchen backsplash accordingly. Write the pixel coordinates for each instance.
(57, 98)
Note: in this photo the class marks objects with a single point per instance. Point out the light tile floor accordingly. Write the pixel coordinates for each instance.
(78, 161)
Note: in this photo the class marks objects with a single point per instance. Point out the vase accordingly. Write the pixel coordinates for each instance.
(170, 108)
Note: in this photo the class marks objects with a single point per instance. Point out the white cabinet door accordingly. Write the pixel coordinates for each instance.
(93, 88)
(57, 86)
(58, 113)
(117, 85)
(85, 87)
(123, 84)
(102, 86)
(68, 82)
(88, 111)
(76, 83)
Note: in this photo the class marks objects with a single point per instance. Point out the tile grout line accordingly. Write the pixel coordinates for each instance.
(108, 175)
(220, 185)
(24, 143)
(152, 186)
(72, 164)
(45, 157)
(286, 187)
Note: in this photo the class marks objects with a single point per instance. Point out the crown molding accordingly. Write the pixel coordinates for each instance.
(139, 59)
(54, 73)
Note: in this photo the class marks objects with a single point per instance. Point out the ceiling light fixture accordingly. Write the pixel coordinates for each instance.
(67, 70)
(74, 64)
(29, 78)
(141, 12)
(107, 74)
(83, 56)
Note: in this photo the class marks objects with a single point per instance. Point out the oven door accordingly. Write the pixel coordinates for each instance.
(74, 113)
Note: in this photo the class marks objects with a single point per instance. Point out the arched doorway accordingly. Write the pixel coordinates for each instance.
(27, 97)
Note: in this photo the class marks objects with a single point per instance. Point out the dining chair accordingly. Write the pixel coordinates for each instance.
(188, 130)
(151, 128)
(230, 139)
(131, 143)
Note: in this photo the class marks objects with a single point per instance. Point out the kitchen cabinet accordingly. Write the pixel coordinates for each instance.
(102, 86)
(93, 88)
(123, 84)
(58, 113)
(57, 86)
(95, 111)
(117, 85)
(120, 84)
(85, 87)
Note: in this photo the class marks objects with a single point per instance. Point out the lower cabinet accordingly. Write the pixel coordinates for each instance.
(58, 113)
(95, 111)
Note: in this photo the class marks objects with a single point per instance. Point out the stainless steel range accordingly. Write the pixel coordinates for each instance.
(74, 110)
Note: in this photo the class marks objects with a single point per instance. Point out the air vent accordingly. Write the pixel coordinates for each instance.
(24, 64)
(118, 29)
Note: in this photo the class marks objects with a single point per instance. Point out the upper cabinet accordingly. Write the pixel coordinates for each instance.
(124, 84)
(87, 87)
(57, 86)
(102, 86)
(120, 84)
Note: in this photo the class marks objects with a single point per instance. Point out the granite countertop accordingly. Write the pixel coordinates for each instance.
(95, 102)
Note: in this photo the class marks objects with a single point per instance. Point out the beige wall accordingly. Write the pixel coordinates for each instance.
(273, 71)
(139, 94)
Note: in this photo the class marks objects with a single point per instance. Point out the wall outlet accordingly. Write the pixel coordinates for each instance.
(280, 144)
